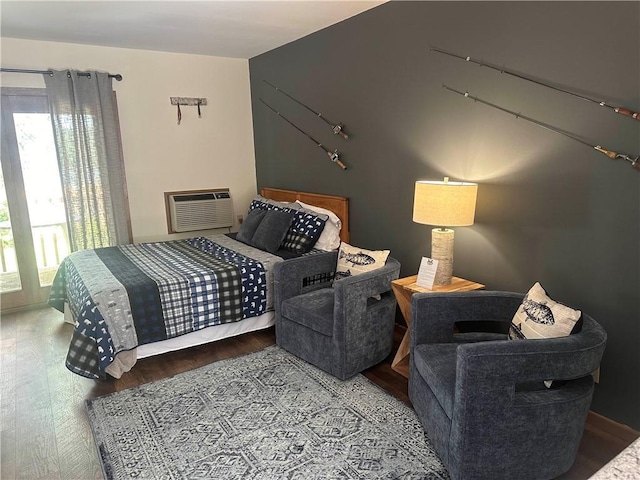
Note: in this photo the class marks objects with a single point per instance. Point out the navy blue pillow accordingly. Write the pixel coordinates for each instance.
(272, 230)
(250, 225)
(305, 229)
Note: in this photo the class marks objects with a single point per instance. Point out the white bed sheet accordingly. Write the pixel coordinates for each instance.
(207, 335)
(199, 337)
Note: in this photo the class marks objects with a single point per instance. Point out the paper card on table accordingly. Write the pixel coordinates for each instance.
(427, 272)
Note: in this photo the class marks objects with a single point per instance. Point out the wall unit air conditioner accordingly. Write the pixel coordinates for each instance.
(188, 211)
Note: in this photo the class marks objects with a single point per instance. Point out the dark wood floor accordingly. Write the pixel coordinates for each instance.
(45, 433)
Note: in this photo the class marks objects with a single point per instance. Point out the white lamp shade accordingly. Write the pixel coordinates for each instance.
(444, 203)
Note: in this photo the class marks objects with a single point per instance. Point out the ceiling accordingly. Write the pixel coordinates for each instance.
(233, 28)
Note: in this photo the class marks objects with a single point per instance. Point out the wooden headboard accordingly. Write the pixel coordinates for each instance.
(338, 205)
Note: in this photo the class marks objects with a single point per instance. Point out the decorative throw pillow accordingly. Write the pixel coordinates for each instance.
(271, 231)
(329, 239)
(274, 203)
(250, 225)
(305, 229)
(541, 317)
(259, 203)
(353, 260)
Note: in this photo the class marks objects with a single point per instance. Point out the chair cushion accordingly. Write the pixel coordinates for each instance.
(436, 364)
(313, 310)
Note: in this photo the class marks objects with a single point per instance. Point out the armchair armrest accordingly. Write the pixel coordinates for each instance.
(433, 315)
(353, 297)
(519, 361)
(369, 284)
(289, 276)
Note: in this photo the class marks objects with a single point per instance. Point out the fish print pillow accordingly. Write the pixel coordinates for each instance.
(541, 317)
(355, 260)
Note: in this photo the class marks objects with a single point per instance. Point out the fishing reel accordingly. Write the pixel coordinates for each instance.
(335, 158)
(635, 162)
(338, 130)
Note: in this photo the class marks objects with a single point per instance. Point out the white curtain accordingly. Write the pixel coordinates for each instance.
(87, 137)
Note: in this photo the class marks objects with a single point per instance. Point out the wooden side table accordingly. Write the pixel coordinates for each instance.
(403, 289)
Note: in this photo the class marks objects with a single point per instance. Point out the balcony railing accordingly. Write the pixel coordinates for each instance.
(51, 245)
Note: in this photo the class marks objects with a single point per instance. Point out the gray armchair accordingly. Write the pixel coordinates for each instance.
(481, 398)
(341, 329)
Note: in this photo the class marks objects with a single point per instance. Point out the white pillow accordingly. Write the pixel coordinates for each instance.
(542, 317)
(330, 237)
(355, 260)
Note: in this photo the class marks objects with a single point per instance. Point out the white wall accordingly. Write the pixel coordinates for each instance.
(214, 151)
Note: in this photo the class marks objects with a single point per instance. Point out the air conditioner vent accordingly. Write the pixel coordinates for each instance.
(199, 210)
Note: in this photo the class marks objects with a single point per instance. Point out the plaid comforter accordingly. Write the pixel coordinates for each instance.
(125, 296)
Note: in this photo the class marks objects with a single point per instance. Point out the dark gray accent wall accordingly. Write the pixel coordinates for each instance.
(549, 209)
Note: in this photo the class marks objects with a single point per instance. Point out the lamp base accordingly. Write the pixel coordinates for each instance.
(442, 250)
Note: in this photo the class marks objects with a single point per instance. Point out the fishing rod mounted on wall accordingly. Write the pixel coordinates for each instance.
(337, 129)
(334, 156)
(635, 162)
(620, 110)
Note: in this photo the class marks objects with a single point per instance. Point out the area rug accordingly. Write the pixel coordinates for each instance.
(266, 415)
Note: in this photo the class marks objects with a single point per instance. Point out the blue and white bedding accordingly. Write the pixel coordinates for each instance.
(129, 295)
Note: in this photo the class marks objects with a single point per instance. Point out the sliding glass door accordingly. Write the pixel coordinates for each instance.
(33, 229)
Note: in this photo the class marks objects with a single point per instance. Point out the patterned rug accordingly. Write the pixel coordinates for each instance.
(267, 415)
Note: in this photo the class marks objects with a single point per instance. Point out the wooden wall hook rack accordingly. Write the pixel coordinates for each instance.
(191, 101)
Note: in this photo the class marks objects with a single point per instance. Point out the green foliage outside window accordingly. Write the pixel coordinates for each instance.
(7, 239)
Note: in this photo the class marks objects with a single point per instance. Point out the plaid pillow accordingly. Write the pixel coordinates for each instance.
(305, 228)
(303, 232)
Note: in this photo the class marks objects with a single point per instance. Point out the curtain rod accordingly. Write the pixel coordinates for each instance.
(117, 76)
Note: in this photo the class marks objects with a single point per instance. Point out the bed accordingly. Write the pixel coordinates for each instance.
(135, 301)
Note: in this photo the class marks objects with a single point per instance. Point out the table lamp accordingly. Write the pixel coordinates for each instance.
(444, 204)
